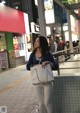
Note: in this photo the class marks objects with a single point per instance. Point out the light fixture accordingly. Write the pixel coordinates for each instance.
(16, 7)
(3, 2)
(36, 2)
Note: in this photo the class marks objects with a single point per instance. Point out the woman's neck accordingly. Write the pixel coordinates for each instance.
(38, 53)
(39, 50)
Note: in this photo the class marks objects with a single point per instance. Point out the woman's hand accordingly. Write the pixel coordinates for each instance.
(45, 63)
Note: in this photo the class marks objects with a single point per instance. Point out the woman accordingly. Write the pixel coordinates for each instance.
(44, 92)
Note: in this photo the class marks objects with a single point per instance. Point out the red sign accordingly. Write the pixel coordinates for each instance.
(11, 20)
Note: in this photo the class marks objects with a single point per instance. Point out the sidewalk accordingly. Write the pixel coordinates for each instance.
(17, 91)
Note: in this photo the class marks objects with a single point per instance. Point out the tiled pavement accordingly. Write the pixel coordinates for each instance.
(17, 91)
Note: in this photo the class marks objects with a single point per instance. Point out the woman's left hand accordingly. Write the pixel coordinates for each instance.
(45, 63)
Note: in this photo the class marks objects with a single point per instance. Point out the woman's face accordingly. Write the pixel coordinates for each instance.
(37, 43)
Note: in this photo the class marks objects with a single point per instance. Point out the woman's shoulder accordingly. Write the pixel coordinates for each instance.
(49, 53)
(32, 54)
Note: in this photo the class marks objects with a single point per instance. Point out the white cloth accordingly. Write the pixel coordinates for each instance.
(44, 96)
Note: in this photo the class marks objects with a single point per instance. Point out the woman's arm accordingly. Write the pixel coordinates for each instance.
(53, 62)
(50, 59)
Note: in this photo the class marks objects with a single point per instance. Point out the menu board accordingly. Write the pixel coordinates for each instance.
(3, 60)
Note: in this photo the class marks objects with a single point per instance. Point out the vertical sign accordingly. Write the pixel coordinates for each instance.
(49, 11)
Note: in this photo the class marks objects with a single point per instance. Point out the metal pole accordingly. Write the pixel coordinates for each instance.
(42, 23)
(79, 30)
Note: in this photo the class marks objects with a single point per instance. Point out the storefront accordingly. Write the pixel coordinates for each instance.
(13, 22)
(20, 49)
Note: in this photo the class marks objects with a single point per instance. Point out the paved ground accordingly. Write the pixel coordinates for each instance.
(16, 91)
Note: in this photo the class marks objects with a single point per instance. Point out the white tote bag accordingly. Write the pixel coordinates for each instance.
(42, 75)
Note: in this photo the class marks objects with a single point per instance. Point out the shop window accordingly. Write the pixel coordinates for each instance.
(29, 43)
(21, 46)
(29, 47)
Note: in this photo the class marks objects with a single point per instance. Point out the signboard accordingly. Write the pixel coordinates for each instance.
(35, 28)
(49, 11)
(11, 20)
(3, 60)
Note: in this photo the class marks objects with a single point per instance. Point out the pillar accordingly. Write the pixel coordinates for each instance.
(70, 32)
(78, 30)
(41, 14)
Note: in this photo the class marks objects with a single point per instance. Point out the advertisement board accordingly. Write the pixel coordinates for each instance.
(11, 20)
(49, 11)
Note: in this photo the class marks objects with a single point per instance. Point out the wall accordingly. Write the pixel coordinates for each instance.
(11, 54)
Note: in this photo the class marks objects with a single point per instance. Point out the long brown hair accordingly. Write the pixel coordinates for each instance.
(43, 45)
